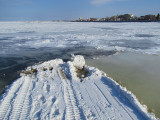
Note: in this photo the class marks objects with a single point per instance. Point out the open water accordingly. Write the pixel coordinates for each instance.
(139, 73)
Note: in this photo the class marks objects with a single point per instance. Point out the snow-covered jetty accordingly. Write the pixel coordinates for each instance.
(70, 90)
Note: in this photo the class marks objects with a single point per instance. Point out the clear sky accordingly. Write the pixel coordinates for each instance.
(13, 10)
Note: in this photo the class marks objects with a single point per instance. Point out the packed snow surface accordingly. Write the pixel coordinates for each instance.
(52, 90)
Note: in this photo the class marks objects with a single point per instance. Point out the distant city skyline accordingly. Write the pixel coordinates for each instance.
(26, 10)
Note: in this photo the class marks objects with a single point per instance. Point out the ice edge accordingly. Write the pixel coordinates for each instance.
(132, 99)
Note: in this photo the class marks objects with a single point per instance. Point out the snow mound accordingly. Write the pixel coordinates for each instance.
(78, 61)
(54, 90)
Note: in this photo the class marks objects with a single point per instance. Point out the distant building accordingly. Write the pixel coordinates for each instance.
(80, 19)
(113, 18)
(150, 17)
(126, 17)
(102, 19)
(131, 15)
(93, 19)
(141, 18)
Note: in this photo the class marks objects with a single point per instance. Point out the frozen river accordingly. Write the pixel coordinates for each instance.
(26, 43)
(23, 38)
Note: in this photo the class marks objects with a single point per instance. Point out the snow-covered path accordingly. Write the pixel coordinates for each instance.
(72, 110)
(54, 90)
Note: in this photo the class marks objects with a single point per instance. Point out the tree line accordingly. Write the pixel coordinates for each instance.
(124, 17)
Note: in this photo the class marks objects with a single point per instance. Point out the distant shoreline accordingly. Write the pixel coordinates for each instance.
(114, 21)
(81, 21)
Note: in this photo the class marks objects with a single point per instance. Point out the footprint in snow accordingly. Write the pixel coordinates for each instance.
(51, 100)
(55, 114)
(46, 88)
(42, 98)
(37, 115)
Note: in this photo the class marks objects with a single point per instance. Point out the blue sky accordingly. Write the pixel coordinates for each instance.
(12, 10)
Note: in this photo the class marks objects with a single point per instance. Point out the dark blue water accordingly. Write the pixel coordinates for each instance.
(11, 65)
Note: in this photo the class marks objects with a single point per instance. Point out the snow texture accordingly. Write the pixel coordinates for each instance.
(52, 90)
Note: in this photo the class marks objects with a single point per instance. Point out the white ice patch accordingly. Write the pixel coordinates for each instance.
(107, 36)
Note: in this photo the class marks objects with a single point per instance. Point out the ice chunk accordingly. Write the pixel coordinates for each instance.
(78, 61)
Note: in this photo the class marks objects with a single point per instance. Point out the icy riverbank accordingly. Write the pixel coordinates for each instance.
(136, 71)
(69, 90)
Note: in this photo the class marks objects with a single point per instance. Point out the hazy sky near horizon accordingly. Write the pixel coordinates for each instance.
(12, 10)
